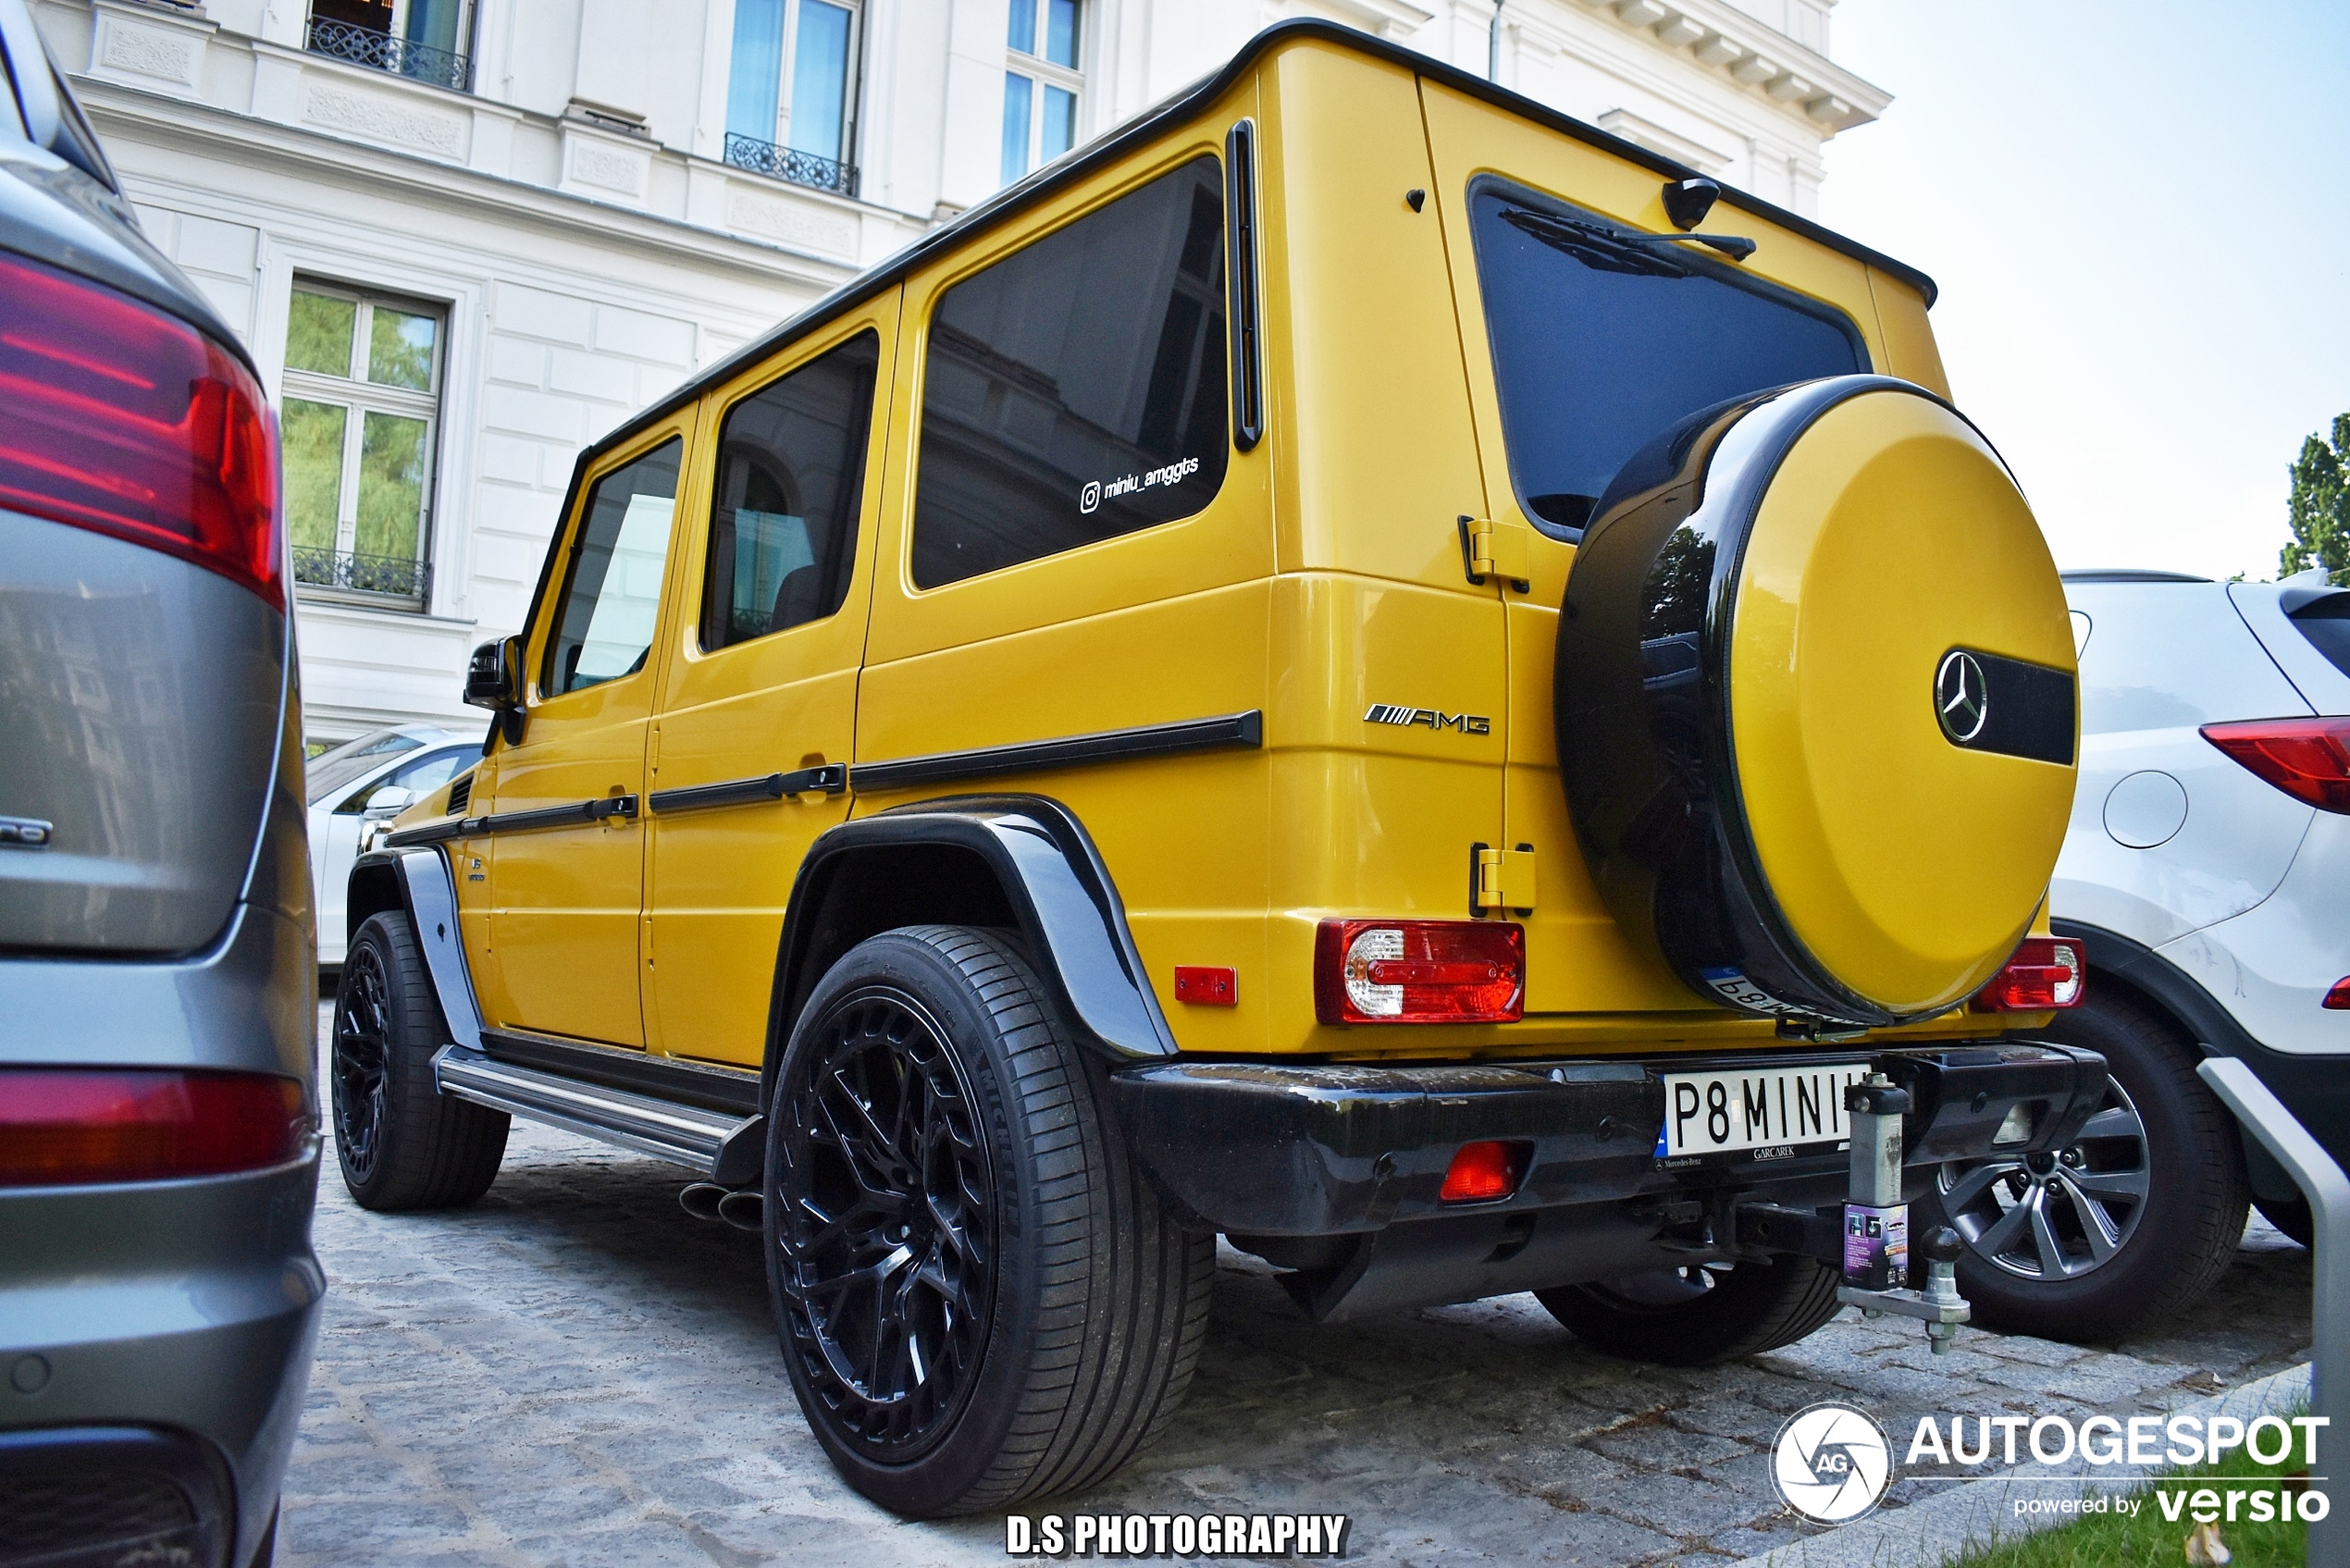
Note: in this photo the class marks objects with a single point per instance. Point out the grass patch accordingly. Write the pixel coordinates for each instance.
(2106, 1540)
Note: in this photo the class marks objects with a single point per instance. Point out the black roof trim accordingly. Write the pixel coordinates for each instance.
(1045, 181)
(2127, 574)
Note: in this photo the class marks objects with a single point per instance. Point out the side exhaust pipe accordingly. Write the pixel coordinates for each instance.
(701, 1199)
(746, 1210)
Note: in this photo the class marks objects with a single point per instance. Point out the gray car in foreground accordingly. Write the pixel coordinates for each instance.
(159, 1106)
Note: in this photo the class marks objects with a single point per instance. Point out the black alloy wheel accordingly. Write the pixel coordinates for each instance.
(886, 1248)
(401, 1142)
(362, 1009)
(980, 1297)
(2053, 1216)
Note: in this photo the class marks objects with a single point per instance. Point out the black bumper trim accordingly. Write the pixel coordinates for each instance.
(1273, 1149)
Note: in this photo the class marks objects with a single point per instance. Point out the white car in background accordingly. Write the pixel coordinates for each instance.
(2205, 875)
(377, 775)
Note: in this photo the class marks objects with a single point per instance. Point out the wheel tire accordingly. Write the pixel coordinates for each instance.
(1054, 1307)
(2167, 1249)
(402, 1144)
(1697, 1317)
(2290, 1216)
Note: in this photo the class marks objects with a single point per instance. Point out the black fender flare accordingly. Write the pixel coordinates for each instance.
(420, 882)
(1048, 883)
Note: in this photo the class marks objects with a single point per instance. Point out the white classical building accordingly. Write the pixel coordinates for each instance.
(465, 237)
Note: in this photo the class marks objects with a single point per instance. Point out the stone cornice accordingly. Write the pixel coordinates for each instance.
(1793, 78)
(181, 124)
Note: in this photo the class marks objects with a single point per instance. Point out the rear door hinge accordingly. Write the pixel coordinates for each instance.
(1491, 549)
(1503, 880)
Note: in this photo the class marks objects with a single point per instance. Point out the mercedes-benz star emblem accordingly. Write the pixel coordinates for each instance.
(1961, 700)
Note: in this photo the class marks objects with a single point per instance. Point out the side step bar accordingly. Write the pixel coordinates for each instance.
(725, 1149)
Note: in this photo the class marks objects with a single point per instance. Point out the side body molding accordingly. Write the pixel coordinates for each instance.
(1052, 886)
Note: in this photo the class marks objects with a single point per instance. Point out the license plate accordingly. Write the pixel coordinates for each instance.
(1756, 1108)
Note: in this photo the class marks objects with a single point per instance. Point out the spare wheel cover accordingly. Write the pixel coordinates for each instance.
(1816, 697)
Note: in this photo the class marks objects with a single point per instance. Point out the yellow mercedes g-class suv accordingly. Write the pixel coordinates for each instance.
(1359, 666)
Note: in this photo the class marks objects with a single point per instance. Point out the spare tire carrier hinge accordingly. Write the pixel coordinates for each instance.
(1491, 549)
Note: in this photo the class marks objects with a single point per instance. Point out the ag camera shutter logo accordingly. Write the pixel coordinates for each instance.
(1831, 1463)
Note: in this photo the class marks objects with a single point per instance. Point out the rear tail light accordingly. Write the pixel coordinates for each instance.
(2339, 997)
(66, 1128)
(1419, 971)
(2307, 759)
(127, 421)
(2045, 973)
(1482, 1173)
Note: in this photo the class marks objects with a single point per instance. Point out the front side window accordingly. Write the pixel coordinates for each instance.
(611, 588)
(1075, 389)
(1599, 344)
(791, 91)
(791, 481)
(357, 429)
(1040, 86)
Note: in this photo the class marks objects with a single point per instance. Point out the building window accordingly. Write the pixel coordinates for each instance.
(1041, 88)
(1074, 391)
(791, 94)
(360, 413)
(428, 40)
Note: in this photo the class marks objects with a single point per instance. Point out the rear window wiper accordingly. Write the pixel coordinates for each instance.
(1621, 250)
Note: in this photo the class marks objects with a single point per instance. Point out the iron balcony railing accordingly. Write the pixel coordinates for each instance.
(790, 163)
(382, 52)
(394, 576)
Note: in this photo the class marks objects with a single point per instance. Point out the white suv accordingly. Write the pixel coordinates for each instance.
(2205, 873)
(360, 778)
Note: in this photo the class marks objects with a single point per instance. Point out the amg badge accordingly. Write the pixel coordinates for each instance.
(1429, 719)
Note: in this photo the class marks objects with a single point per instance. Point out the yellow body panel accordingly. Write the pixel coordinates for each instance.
(717, 882)
(1326, 576)
(566, 903)
(1908, 866)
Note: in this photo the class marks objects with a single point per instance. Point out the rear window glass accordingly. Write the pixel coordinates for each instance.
(2326, 622)
(791, 478)
(1599, 343)
(1075, 390)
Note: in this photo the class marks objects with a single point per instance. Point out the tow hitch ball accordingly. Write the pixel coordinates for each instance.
(1876, 1224)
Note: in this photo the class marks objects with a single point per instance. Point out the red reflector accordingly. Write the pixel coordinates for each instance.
(1482, 1172)
(1419, 971)
(62, 1127)
(1205, 986)
(127, 421)
(2045, 973)
(2307, 759)
(2339, 997)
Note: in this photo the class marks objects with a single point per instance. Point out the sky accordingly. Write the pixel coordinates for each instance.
(2139, 216)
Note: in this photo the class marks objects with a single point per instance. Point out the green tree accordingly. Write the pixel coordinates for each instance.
(2321, 506)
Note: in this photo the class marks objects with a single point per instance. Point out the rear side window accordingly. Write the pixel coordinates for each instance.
(1075, 390)
(1599, 343)
(612, 588)
(2326, 622)
(791, 480)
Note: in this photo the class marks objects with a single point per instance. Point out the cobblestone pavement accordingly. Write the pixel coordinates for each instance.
(574, 1373)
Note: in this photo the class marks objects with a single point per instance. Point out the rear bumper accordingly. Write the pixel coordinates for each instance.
(1270, 1149)
(159, 1329)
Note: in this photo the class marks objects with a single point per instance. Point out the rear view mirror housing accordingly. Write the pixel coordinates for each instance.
(493, 680)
